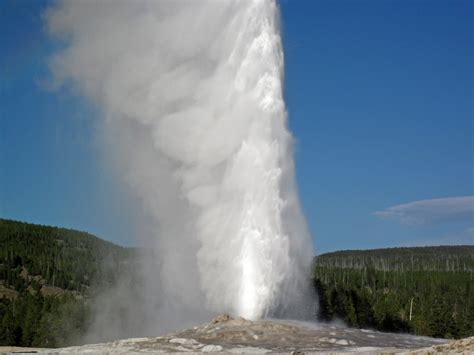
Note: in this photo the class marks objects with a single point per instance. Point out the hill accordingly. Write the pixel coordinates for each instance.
(47, 276)
(421, 290)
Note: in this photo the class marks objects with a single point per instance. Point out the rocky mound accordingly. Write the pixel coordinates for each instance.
(462, 346)
(226, 334)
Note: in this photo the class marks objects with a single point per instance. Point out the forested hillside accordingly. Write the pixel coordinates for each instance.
(423, 290)
(47, 276)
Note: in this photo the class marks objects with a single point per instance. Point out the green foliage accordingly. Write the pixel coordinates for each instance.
(62, 257)
(54, 272)
(370, 289)
(377, 288)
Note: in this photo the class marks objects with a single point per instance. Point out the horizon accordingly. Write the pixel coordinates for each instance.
(315, 255)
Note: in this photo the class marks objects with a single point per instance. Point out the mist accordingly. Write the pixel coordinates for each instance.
(190, 94)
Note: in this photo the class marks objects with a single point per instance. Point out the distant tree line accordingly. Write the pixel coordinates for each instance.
(423, 291)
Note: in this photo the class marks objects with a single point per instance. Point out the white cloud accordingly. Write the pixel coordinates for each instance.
(430, 212)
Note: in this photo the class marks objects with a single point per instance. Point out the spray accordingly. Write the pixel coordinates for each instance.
(191, 93)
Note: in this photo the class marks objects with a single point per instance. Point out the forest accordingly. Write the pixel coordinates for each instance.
(49, 277)
(419, 290)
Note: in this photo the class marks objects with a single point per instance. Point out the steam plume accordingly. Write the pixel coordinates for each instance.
(192, 97)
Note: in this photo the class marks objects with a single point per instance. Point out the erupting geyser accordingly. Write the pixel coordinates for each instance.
(192, 95)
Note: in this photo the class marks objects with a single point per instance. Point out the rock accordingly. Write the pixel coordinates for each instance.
(461, 346)
(24, 273)
(222, 318)
(186, 342)
(51, 291)
(8, 293)
(211, 347)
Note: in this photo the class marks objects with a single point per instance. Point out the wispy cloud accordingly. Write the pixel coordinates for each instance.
(430, 212)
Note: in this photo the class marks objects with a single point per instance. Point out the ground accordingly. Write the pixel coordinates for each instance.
(225, 334)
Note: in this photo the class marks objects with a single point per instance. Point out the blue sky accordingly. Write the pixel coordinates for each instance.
(380, 100)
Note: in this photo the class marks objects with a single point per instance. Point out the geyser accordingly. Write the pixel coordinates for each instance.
(192, 97)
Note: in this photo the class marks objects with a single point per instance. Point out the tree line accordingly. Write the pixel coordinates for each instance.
(49, 277)
(421, 290)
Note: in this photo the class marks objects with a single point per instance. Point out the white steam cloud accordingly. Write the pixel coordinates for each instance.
(192, 96)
